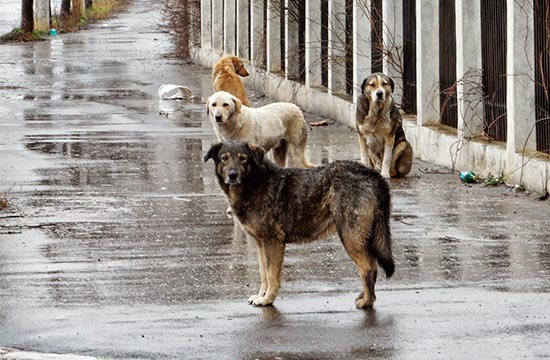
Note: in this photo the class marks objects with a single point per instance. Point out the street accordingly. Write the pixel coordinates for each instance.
(116, 243)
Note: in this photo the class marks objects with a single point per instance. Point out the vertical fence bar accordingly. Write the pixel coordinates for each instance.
(349, 46)
(336, 47)
(447, 63)
(377, 39)
(324, 42)
(409, 56)
(493, 55)
(542, 74)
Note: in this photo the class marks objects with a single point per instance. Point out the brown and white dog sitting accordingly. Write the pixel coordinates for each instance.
(226, 76)
(380, 128)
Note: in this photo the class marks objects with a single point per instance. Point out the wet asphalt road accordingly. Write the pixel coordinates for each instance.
(116, 242)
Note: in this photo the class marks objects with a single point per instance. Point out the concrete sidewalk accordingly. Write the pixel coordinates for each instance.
(15, 354)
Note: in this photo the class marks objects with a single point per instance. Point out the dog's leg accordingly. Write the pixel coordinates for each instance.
(368, 270)
(279, 154)
(386, 160)
(366, 264)
(402, 160)
(297, 144)
(364, 151)
(263, 275)
(274, 253)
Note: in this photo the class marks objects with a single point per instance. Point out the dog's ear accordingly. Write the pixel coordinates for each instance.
(236, 63)
(208, 107)
(238, 104)
(213, 152)
(363, 86)
(257, 153)
(392, 85)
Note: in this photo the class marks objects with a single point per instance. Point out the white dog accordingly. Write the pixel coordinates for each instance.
(279, 127)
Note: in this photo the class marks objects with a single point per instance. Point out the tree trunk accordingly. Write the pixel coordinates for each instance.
(27, 16)
(65, 7)
(78, 8)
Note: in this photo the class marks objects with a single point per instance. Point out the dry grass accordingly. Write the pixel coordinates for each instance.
(17, 35)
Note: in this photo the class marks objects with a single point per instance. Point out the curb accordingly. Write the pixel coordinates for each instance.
(16, 354)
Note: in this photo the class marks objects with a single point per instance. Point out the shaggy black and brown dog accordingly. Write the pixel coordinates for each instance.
(277, 206)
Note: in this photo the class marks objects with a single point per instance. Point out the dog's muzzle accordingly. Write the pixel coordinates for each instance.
(232, 178)
(218, 118)
(379, 95)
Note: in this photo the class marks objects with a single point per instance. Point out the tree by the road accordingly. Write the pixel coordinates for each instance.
(27, 16)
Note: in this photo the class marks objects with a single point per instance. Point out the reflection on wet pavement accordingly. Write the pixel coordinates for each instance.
(118, 233)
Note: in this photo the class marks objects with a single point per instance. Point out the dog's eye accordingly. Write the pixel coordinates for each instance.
(224, 157)
(225, 104)
(214, 104)
(371, 84)
(242, 157)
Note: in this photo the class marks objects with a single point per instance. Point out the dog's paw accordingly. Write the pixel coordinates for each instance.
(362, 303)
(262, 301)
(253, 298)
(385, 175)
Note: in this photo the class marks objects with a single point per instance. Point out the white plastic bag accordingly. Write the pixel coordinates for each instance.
(174, 92)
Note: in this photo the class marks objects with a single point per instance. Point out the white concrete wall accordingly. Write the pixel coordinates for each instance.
(458, 149)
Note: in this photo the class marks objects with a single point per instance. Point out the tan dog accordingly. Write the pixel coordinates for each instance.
(278, 126)
(277, 206)
(380, 128)
(226, 75)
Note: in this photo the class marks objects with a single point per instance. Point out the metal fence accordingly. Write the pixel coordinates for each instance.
(377, 42)
(493, 56)
(409, 56)
(349, 47)
(324, 43)
(447, 63)
(542, 74)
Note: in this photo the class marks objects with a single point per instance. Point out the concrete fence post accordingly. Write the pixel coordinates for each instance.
(313, 43)
(336, 47)
(361, 45)
(206, 24)
(243, 26)
(229, 27)
(274, 36)
(520, 86)
(257, 42)
(427, 62)
(292, 55)
(392, 37)
(217, 25)
(42, 15)
(469, 68)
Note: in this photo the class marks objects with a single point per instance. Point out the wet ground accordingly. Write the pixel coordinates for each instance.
(116, 242)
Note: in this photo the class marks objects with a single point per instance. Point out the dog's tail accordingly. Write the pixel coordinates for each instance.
(381, 233)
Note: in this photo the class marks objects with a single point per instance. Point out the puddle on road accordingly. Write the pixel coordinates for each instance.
(134, 204)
